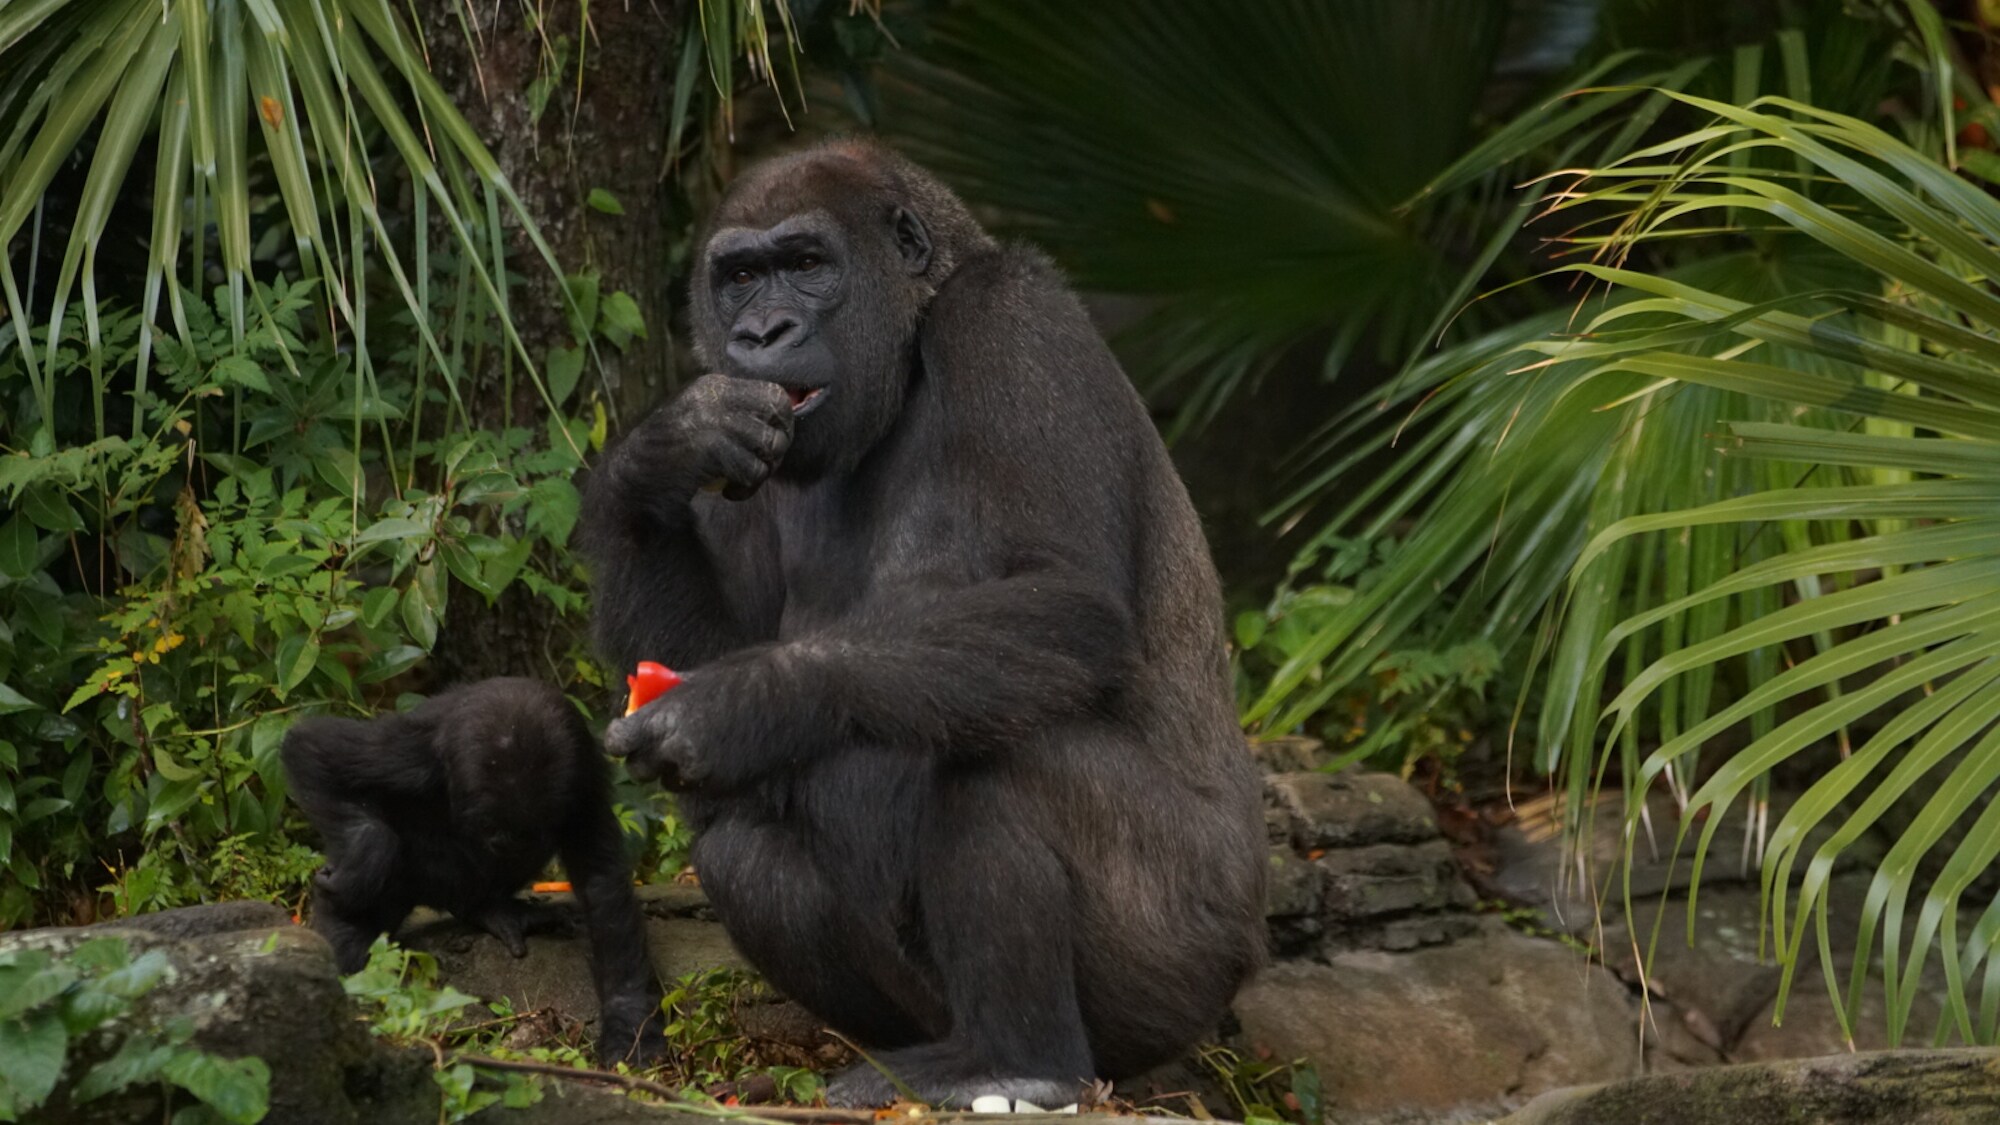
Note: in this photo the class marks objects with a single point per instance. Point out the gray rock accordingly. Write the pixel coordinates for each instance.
(1717, 985)
(1722, 990)
(1379, 879)
(1398, 935)
(1531, 867)
(208, 918)
(1476, 1027)
(1293, 887)
(1960, 1087)
(1350, 809)
(1810, 1027)
(1288, 753)
(272, 993)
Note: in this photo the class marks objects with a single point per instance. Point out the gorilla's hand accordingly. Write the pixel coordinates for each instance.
(720, 429)
(729, 722)
(330, 884)
(664, 740)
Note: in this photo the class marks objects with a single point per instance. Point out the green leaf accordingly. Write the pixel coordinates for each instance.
(619, 319)
(168, 801)
(238, 1089)
(465, 566)
(32, 1050)
(340, 468)
(295, 659)
(172, 770)
(390, 663)
(51, 509)
(285, 566)
(1250, 627)
(422, 606)
(375, 606)
(564, 368)
(239, 371)
(30, 983)
(583, 294)
(139, 1059)
(553, 508)
(394, 528)
(604, 201)
(12, 701)
(20, 551)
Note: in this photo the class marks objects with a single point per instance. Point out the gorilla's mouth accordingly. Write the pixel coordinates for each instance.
(804, 398)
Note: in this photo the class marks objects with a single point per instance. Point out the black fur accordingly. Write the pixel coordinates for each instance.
(956, 734)
(457, 804)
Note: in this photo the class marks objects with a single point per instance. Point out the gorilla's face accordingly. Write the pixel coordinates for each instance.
(779, 293)
(826, 311)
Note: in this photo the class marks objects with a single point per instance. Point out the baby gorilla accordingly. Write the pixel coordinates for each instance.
(456, 805)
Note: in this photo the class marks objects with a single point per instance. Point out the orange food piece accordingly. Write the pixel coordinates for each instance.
(549, 888)
(650, 682)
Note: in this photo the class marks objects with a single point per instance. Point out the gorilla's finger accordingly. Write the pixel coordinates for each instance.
(767, 441)
(768, 401)
(743, 470)
(643, 767)
(623, 736)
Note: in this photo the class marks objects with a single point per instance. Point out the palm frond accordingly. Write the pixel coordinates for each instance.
(319, 78)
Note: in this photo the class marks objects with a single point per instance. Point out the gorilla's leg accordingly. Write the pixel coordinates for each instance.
(835, 956)
(997, 912)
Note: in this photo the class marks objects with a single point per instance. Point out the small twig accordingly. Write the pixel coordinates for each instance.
(824, 1116)
(777, 1114)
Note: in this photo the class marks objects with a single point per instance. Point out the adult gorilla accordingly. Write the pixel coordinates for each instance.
(957, 742)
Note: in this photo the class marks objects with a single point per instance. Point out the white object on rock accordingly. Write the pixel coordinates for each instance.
(1028, 1107)
(1070, 1108)
(990, 1103)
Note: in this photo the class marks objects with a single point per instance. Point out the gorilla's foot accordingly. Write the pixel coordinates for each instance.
(944, 1078)
(512, 920)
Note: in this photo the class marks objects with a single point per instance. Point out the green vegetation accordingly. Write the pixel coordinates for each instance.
(1659, 368)
(1266, 1091)
(50, 1005)
(1418, 704)
(400, 993)
(155, 669)
(1687, 430)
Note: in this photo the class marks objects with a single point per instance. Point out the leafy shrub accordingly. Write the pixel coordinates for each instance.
(1427, 702)
(399, 992)
(275, 532)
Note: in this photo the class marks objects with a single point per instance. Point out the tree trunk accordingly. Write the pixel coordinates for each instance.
(606, 132)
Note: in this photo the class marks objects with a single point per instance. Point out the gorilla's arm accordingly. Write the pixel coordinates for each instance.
(653, 540)
(1029, 454)
(962, 671)
(628, 991)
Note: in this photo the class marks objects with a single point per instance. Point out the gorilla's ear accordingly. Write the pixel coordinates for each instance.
(913, 242)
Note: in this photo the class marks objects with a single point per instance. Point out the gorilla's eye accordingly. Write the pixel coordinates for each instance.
(741, 276)
(807, 264)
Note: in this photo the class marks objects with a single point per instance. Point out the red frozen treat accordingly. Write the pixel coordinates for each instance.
(651, 682)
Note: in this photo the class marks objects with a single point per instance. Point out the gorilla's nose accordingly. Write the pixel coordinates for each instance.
(757, 334)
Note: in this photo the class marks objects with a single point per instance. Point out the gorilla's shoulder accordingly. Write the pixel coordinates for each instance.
(1002, 293)
(1006, 330)
(1007, 264)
